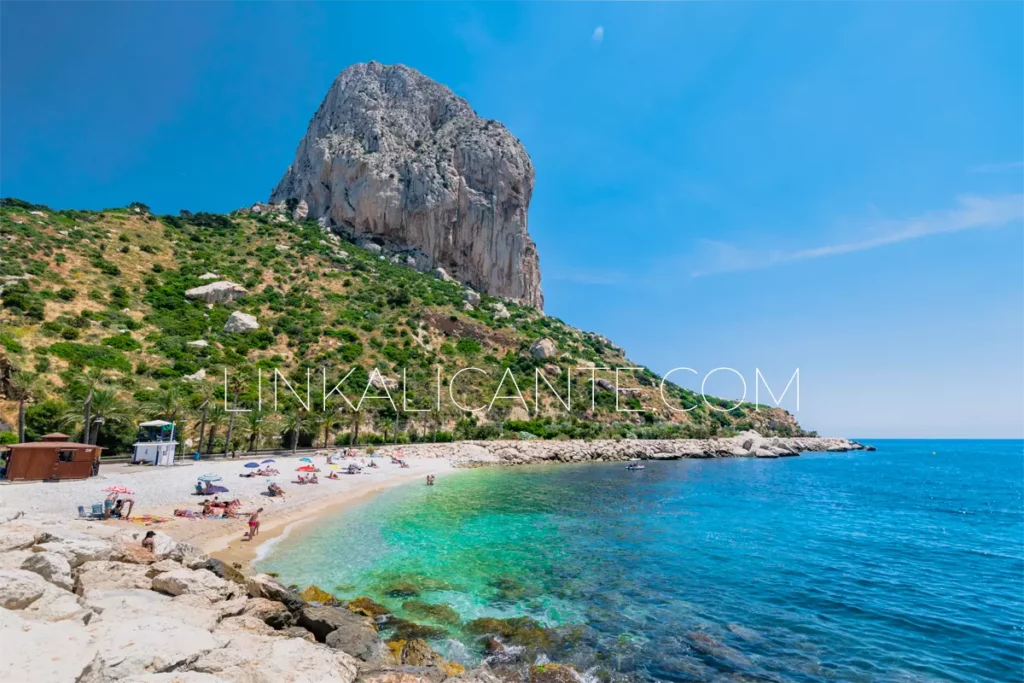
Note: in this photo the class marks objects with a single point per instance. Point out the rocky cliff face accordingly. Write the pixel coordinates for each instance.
(394, 157)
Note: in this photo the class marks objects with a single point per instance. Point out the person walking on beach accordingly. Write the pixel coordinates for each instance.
(254, 523)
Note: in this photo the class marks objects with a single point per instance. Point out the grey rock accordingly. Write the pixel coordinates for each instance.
(217, 292)
(52, 566)
(543, 348)
(394, 155)
(241, 322)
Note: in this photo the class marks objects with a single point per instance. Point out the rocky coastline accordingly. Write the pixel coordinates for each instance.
(83, 602)
(525, 452)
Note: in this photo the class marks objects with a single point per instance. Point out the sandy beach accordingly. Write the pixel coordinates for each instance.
(159, 491)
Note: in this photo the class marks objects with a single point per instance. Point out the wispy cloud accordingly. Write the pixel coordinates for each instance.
(598, 36)
(971, 213)
(997, 168)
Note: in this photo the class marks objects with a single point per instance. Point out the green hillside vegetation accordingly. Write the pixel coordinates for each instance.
(94, 301)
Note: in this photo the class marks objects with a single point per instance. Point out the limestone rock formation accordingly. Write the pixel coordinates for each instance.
(217, 292)
(397, 159)
(543, 348)
(241, 322)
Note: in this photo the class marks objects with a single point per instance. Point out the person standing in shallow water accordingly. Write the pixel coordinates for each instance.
(254, 523)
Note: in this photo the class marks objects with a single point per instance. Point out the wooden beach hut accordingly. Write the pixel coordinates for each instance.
(52, 458)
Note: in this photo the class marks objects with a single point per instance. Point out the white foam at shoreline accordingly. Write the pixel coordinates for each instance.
(264, 549)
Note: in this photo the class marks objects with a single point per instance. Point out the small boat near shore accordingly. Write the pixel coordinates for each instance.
(636, 466)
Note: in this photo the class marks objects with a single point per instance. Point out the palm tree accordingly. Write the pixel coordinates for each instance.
(356, 422)
(385, 422)
(254, 426)
(24, 387)
(103, 404)
(332, 422)
(166, 404)
(216, 416)
(295, 422)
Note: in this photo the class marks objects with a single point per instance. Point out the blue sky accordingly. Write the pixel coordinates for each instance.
(834, 187)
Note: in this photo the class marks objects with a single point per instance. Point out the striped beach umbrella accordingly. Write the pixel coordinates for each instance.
(209, 476)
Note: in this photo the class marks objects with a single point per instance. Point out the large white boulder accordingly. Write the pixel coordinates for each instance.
(20, 588)
(251, 658)
(500, 312)
(57, 604)
(139, 603)
(241, 322)
(16, 539)
(79, 550)
(36, 651)
(52, 566)
(201, 582)
(135, 646)
(217, 292)
(107, 575)
(543, 348)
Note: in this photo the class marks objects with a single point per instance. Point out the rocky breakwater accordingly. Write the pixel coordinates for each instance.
(394, 157)
(745, 445)
(83, 602)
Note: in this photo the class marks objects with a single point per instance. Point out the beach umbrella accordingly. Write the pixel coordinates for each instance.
(118, 488)
(217, 489)
(209, 476)
(306, 468)
(266, 461)
(305, 460)
(335, 467)
(251, 464)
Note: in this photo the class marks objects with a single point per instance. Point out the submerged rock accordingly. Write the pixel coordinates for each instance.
(517, 631)
(403, 629)
(441, 613)
(317, 595)
(554, 673)
(368, 607)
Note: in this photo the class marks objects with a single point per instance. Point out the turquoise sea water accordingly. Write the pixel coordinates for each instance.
(895, 565)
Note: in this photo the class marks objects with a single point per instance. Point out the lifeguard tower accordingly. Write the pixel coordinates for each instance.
(155, 444)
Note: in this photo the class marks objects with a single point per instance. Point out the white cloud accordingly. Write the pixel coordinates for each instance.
(971, 212)
(598, 35)
(997, 168)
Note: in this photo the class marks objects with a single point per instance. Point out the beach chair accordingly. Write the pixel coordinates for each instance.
(81, 512)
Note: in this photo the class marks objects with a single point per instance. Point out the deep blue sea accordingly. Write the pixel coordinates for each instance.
(905, 564)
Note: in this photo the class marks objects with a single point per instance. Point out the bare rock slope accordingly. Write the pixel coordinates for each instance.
(395, 157)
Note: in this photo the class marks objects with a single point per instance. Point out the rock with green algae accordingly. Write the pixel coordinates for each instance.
(417, 652)
(402, 589)
(451, 668)
(517, 631)
(440, 613)
(368, 607)
(554, 673)
(403, 629)
(510, 589)
(411, 585)
(317, 595)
